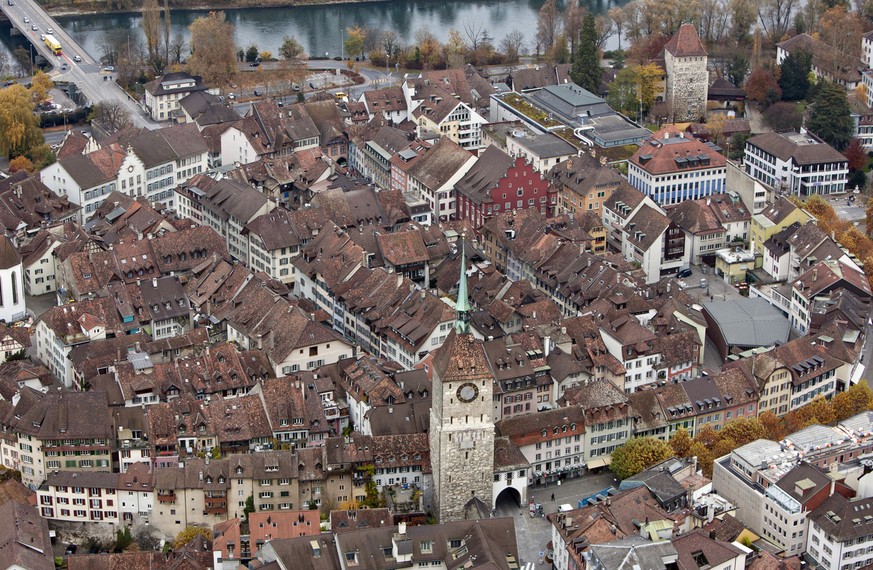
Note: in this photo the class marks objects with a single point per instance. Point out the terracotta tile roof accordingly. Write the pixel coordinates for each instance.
(824, 276)
(685, 42)
(670, 150)
(24, 538)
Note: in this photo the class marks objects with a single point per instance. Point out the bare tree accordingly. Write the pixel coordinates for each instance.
(111, 44)
(713, 20)
(112, 115)
(5, 65)
(390, 40)
(604, 29)
(177, 48)
(618, 18)
(573, 16)
(775, 16)
(474, 30)
(512, 46)
(166, 32)
(548, 25)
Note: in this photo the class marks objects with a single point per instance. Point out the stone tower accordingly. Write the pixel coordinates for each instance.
(687, 76)
(461, 422)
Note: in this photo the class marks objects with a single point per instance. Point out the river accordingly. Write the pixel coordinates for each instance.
(319, 27)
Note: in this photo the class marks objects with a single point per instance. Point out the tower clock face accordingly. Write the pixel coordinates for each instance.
(467, 392)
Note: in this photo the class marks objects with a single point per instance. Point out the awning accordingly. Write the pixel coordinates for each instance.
(856, 374)
(602, 462)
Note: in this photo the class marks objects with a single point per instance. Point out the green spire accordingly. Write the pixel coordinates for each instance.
(462, 307)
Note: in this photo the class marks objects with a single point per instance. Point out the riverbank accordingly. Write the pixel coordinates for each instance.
(93, 8)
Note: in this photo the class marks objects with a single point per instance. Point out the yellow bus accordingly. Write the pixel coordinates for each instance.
(53, 44)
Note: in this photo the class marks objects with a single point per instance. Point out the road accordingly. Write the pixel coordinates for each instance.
(87, 74)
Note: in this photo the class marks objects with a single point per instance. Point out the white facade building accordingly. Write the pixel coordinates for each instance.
(796, 163)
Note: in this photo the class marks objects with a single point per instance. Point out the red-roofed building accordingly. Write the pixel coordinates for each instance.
(672, 167)
(500, 183)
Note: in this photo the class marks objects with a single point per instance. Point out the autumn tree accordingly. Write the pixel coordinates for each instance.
(429, 50)
(456, 50)
(213, 52)
(744, 430)
(586, 71)
(830, 118)
(151, 27)
(637, 454)
(290, 48)
(20, 162)
(776, 17)
(855, 154)
(743, 15)
(617, 16)
(40, 86)
(189, 533)
(19, 125)
(681, 442)
(354, 42)
(794, 75)
(772, 425)
(856, 399)
(574, 16)
(762, 87)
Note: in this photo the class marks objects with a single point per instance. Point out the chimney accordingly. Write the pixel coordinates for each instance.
(547, 345)
(155, 282)
(815, 274)
(401, 529)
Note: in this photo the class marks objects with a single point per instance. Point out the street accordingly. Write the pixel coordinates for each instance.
(533, 534)
(87, 74)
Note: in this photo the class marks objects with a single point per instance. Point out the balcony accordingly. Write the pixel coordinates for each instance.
(166, 496)
(215, 506)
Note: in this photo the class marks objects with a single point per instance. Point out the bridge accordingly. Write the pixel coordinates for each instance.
(87, 74)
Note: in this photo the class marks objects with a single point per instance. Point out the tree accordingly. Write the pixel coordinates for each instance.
(794, 75)
(213, 52)
(512, 46)
(265, 56)
(548, 25)
(560, 52)
(112, 115)
(617, 16)
(252, 53)
(783, 116)
(681, 442)
(166, 32)
(40, 86)
(737, 69)
(743, 430)
(177, 47)
(776, 16)
(21, 162)
(189, 533)
(354, 42)
(855, 154)
(250, 506)
(151, 27)
(855, 400)
(290, 48)
(762, 87)
(737, 145)
(742, 17)
(637, 454)
(574, 15)
(20, 127)
(123, 540)
(586, 71)
(831, 118)
(772, 425)
(456, 50)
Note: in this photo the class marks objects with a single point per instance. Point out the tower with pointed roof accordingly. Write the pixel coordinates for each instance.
(687, 76)
(461, 419)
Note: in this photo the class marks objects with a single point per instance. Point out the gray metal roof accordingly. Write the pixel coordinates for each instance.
(749, 322)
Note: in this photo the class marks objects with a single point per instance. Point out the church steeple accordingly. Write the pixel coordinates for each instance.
(462, 307)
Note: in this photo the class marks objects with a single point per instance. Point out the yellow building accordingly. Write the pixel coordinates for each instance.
(774, 219)
(734, 263)
(584, 184)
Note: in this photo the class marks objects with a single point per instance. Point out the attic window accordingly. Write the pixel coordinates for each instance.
(86, 276)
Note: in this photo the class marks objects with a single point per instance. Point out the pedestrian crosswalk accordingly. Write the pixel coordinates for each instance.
(528, 566)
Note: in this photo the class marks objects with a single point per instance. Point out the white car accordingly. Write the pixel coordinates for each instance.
(49, 31)
(26, 20)
(35, 28)
(77, 58)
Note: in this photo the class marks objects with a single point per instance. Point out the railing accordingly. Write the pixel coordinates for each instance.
(166, 497)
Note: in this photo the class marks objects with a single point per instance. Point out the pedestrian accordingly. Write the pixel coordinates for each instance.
(553, 497)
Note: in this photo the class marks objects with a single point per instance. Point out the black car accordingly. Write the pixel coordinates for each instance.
(258, 93)
(255, 64)
(684, 273)
(71, 549)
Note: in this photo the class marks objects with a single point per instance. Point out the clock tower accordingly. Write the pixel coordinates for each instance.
(461, 421)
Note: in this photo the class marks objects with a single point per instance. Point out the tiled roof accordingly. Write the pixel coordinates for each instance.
(685, 42)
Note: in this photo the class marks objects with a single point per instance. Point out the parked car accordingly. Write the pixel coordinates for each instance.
(684, 273)
(255, 64)
(64, 67)
(704, 282)
(71, 549)
(258, 93)
(109, 69)
(231, 96)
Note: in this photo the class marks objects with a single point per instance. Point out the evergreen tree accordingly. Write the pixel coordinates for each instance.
(586, 71)
(794, 79)
(830, 118)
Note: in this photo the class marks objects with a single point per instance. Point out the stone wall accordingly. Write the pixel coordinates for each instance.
(687, 85)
